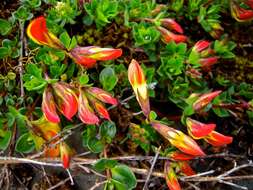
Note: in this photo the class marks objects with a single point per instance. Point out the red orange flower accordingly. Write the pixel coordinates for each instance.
(217, 139)
(241, 14)
(205, 99)
(186, 169)
(197, 129)
(66, 98)
(178, 139)
(87, 56)
(92, 97)
(48, 106)
(65, 153)
(168, 36)
(38, 32)
(170, 177)
(137, 79)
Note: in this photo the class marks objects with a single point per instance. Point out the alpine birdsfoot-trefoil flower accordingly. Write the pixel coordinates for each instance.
(217, 139)
(241, 14)
(178, 139)
(197, 129)
(86, 56)
(38, 32)
(137, 80)
(61, 96)
(92, 97)
(171, 177)
(204, 100)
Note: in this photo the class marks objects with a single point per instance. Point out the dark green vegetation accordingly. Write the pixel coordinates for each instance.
(174, 71)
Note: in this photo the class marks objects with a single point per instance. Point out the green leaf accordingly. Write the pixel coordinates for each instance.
(22, 14)
(65, 39)
(95, 145)
(5, 138)
(25, 144)
(103, 164)
(107, 131)
(84, 79)
(108, 78)
(5, 27)
(123, 178)
(4, 52)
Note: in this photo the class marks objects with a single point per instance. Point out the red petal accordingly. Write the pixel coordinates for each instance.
(176, 155)
(137, 80)
(186, 169)
(48, 107)
(170, 176)
(101, 110)
(207, 62)
(205, 99)
(168, 36)
(178, 139)
(171, 24)
(217, 139)
(37, 30)
(201, 45)
(67, 99)
(198, 129)
(85, 112)
(103, 95)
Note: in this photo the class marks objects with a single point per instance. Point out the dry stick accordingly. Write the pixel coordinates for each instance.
(98, 185)
(20, 65)
(59, 184)
(151, 168)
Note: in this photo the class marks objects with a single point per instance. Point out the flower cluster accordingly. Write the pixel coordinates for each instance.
(67, 100)
(187, 147)
(85, 56)
(241, 14)
(169, 29)
(206, 54)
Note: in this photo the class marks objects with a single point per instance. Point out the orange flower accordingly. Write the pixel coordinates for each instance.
(85, 112)
(92, 97)
(197, 129)
(171, 24)
(170, 177)
(186, 169)
(65, 154)
(102, 95)
(178, 139)
(38, 32)
(176, 155)
(87, 56)
(168, 36)
(205, 99)
(66, 98)
(201, 45)
(48, 106)
(217, 139)
(137, 79)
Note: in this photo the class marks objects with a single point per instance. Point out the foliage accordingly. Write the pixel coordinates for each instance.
(161, 67)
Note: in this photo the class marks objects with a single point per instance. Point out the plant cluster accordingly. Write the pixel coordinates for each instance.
(157, 76)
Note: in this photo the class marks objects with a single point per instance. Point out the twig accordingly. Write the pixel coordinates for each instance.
(98, 185)
(20, 65)
(14, 160)
(198, 175)
(236, 168)
(151, 168)
(70, 177)
(59, 184)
